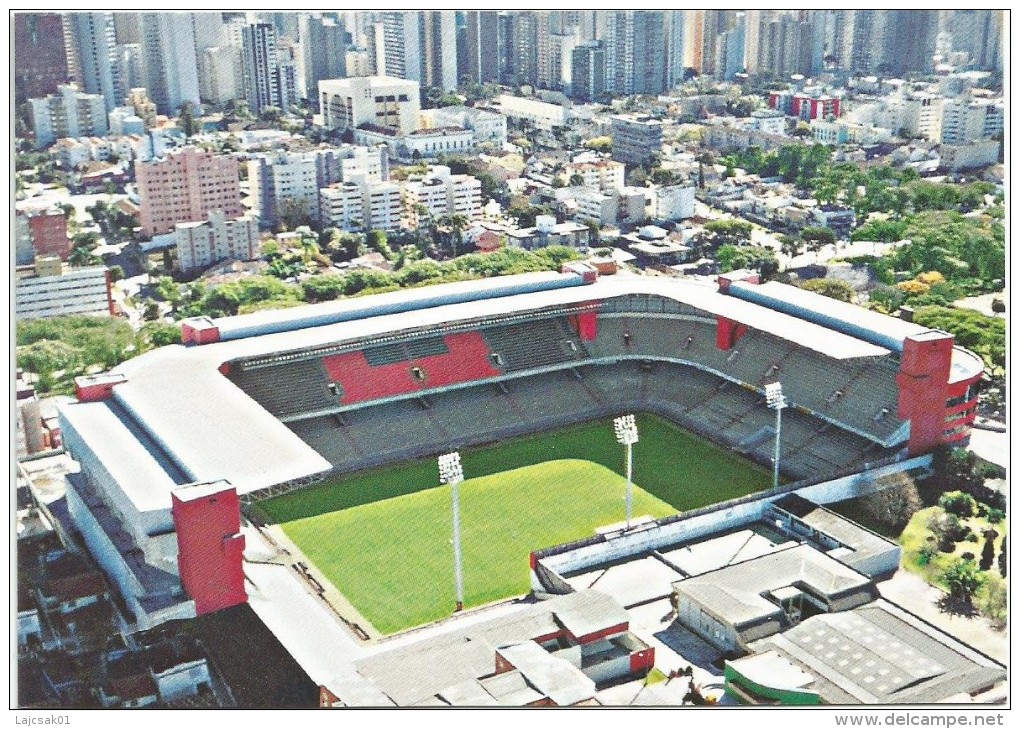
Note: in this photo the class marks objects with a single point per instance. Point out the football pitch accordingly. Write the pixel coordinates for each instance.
(393, 559)
(383, 536)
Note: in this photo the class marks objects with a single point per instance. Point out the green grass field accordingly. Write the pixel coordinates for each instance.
(675, 465)
(383, 536)
(393, 559)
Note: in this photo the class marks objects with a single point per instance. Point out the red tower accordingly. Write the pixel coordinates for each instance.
(207, 518)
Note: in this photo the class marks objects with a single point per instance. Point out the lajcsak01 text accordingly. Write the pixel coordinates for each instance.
(50, 720)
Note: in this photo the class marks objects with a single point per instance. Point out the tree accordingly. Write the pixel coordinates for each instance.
(151, 311)
(790, 246)
(817, 237)
(888, 298)
(576, 180)
(376, 240)
(161, 334)
(295, 213)
(82, 256)
(959, 503)
(1002, 557)
(833, 288)
(456, 223)
(600, 144)
(894, 505)
(983, 335)
(186, 122)
(271, 114)
(963, 578)
(116, 273)
(988, 552)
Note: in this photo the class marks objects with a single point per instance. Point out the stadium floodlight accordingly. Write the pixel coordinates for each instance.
(774, 399)
(452, 472)
(626, 434)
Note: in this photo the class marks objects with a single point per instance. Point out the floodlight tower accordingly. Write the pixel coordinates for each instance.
(626, 434)
(775, 400)
(451, 472)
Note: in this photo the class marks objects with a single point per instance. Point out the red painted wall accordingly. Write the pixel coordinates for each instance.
(599, 635)
(96, 391)
(642, 660)
(924, 389)
(210, 548)
(467, 360)
(191, 335)
(728, 332)
(588, 326)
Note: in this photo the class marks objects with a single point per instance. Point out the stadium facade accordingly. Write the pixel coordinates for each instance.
(172, 443)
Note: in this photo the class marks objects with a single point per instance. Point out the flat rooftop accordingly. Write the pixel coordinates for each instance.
(734, 593)
(864, 542)
(880, 653)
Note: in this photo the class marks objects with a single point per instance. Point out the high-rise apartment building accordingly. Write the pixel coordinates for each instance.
(361, 204)
(169, 60)
(324, 52)
(42, 57)
(289, 182)
(439, 49)
(220, 74)
(636, 138)
(260, 66)
(67, 113)
(588, 72)
(185, 186)
(441, 193)
(483, 49)
(401, 45)
(92, 55)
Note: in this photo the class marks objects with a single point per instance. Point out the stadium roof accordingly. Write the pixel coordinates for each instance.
(887, 331)
(144, 477)
(212, 430)
(209, 427)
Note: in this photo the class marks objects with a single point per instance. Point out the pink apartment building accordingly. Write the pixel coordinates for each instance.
(185, 186)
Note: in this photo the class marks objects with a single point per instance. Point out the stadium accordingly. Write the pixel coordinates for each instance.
(275, 416)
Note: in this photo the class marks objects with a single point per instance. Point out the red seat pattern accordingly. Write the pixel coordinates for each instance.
(467, 360)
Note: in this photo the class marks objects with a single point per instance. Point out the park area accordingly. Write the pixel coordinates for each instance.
(383, 537)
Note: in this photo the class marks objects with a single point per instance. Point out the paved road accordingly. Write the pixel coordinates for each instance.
(991, 446)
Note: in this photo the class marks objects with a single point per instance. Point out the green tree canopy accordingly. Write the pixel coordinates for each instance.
(833, 288)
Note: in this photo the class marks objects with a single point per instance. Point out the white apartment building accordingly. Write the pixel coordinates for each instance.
(964, 122)
(67, 113)
(606, 175)
(769, 121)
(380, 101)
(597, 206)
(357, 205)
(674, 202)
(123, 120)
(442, 193)
(543, 115)
(295, 178)
(219, 74)
(218, 238)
